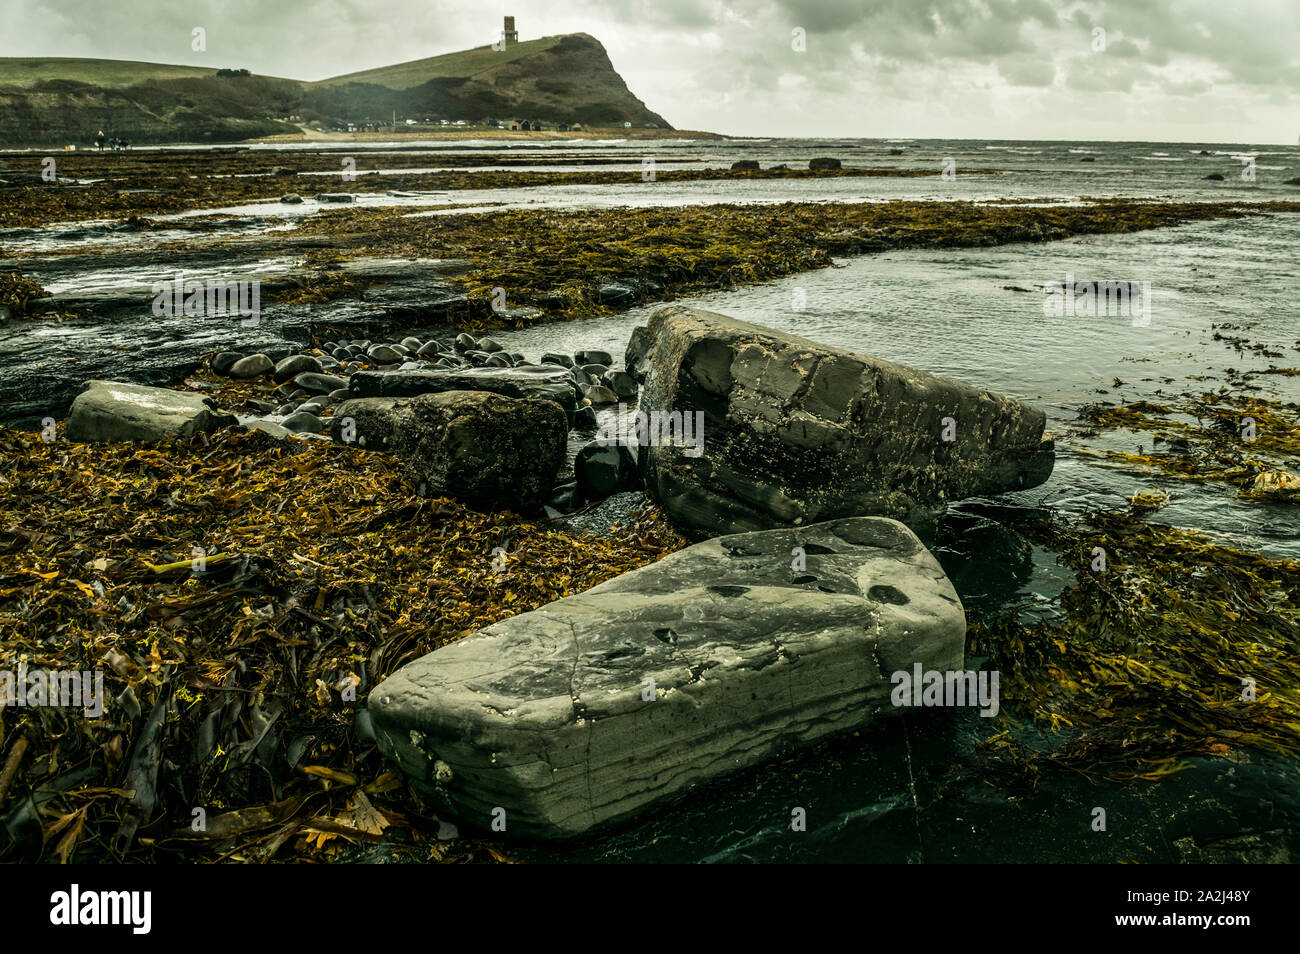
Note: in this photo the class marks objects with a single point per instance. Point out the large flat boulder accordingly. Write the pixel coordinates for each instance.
(795, 432)
(490, 451)
(527, 383)
(113, 411)
(720, 656)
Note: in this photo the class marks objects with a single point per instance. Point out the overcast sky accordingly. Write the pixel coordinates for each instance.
(1165, 70)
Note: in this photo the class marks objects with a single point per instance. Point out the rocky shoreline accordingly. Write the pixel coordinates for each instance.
(360, 573)
(471, 422)
(371, 273)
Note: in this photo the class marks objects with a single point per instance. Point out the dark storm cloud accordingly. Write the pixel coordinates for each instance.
(1185, 68)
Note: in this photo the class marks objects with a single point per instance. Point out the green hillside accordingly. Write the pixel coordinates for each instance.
(463, 64)
(555, 80)
(29, 71)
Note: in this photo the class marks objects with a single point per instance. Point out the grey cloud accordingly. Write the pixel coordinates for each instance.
(727, 64)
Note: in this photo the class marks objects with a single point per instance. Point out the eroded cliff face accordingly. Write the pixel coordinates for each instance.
(573, 81)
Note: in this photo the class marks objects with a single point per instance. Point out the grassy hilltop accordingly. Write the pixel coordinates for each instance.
(27, 71)
(464, 63)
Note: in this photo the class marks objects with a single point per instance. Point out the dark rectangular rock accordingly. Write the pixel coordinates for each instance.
(796, 432)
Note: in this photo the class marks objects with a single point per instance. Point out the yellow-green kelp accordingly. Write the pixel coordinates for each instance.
(1167, 645)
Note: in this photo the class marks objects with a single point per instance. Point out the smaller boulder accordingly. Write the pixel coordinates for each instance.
(604, 469)
(112, 411)
(251, 367)
(302, 421)
(564, 497)
(314, 383)
(621, 383)
(593, 357)
(223, 361)
(295, 365)
(599, 395)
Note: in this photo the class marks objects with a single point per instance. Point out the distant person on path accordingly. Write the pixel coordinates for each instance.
(99, 140)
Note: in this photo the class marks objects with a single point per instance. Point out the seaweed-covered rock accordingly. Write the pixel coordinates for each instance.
(717, 657)
(112, 411)
(490, 451)
(824, 162)
(783, 431)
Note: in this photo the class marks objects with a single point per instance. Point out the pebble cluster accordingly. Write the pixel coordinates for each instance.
(310, 385)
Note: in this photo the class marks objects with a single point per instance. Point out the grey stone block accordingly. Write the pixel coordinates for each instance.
(717, 657)
(112, 411)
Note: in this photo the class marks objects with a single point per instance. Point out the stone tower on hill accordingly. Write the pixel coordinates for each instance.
(511, 34)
